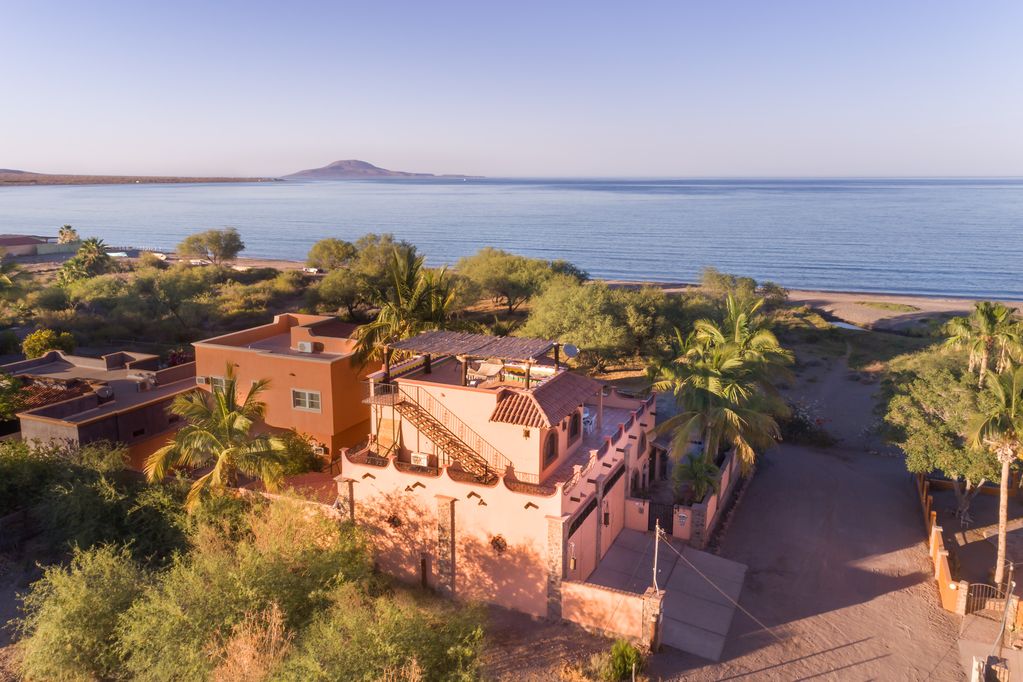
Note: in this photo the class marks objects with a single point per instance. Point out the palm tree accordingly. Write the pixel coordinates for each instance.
(419, 300)
(721, 395)
(218, 433)
(93, 256)
(67, 234)
(742, 327)
(999, 428)
(989, 327)
(699, 473)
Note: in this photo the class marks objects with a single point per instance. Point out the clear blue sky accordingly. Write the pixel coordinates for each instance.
(680, 88)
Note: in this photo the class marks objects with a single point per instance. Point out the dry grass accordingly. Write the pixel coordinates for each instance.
(255, 648)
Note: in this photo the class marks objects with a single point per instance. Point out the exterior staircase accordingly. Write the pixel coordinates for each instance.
(451, 445)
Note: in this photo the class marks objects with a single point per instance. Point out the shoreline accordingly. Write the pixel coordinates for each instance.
(889, 312)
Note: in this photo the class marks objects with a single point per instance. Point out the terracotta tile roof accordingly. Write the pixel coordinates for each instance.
(547, 404)
(39, 393)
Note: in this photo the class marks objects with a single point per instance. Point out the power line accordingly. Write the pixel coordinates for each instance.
(723, 593)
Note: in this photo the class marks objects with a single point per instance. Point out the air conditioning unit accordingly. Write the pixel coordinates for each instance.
(320, 450)
(420, 459)
(201, 380)
(306, 347)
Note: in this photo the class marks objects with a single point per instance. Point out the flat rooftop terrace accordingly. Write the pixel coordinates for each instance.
(613, 416)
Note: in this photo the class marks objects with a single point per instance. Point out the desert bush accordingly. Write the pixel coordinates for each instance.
(49, 298)
(373, 637)
(300, 456)
(255, 648)
(804, 426)
(9, 342)
(23, 475)
(40, 341)
(286, 554)
(148, 259)
(69, 630)
(616, 664)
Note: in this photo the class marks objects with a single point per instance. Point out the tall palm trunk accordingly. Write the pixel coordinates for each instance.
(1003, 517)
(982, 369)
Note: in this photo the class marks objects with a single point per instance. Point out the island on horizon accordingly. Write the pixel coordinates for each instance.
(354, 169)
(348, 169)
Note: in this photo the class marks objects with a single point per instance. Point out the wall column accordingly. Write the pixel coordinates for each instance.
(446, 545)
(346, 494)
(556, 549)
(653, 603)
(697, 535)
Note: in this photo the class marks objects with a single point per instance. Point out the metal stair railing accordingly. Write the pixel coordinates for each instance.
(392, 395)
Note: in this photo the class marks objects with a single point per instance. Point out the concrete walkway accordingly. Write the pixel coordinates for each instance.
(698, 609)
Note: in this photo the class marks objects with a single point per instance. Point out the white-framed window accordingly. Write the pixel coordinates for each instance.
(218, 383)
(305, 400)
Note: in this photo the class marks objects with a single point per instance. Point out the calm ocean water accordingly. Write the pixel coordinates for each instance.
(959, 237)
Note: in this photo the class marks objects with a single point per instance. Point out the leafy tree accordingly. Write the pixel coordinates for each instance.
(931, 397)
(12, 396)
(508, 278)
(644, 315)
(40, 341)
(419, 300)
(341, 289)
(372, 266)
(990, 328)
(67, 235)
(216, 246)
(218, 432)
(582, 314)
(52, 298)
(998, 427)
(70, 627)
(698, 473)
(331, 254)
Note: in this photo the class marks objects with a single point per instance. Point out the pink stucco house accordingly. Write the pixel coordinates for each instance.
(494, 473)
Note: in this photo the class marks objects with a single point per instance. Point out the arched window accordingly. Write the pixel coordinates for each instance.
(642, 443)
(574, 426)
(550, 448)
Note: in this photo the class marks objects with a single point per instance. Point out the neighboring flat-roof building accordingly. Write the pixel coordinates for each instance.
(314, 377)
(119, 397)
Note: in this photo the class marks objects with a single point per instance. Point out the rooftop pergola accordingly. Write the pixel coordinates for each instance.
(468, 347)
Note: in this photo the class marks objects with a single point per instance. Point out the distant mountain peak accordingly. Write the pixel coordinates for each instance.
(354, 168)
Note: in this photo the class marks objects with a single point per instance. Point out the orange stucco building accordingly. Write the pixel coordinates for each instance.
(493, 473)
(315, 382)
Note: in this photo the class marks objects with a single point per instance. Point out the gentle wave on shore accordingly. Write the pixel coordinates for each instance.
(956, 237)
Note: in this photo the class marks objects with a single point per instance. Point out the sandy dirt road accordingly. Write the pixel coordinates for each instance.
(837, 567)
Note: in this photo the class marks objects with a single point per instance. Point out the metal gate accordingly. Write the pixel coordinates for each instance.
(985, 600)
(659, 511)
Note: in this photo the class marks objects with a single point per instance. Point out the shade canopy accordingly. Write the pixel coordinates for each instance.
(476, 345)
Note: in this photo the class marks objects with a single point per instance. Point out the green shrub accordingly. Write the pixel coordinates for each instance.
(148, 259)
(23, 475)
(9, 342)
(373, 636)
(615, 665)
(301, 458)
(40, 341)
(287, 555)
(51, 298)
(69, 630)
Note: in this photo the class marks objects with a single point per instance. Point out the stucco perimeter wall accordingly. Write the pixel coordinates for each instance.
(416, 521)
(637, 514)
(603, 609)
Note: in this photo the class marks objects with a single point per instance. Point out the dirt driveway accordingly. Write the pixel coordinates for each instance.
(837, 568)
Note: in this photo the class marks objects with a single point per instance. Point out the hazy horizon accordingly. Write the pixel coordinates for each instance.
(748, 90)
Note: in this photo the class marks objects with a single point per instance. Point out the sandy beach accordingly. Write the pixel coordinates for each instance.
(871, 310)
